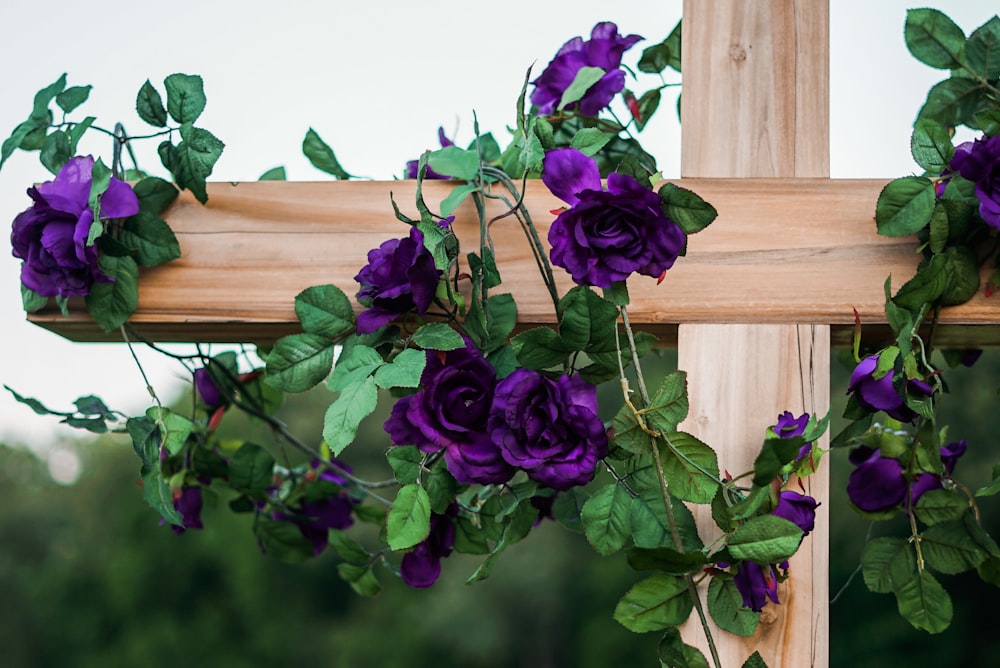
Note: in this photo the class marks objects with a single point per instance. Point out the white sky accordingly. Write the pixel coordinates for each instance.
(375, 80)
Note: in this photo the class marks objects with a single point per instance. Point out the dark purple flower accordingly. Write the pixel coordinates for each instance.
(979, 162)
(798, 509)
(950, 454)
(604, 49)
(207, 390)
(422, 566)
(757, 584)
(51, 236)
(877, 484)
(400, 277)
(412, 166)
(451, 413)
(326, 505)
(549, 428)
(880, 394)
(789, 426)
(188, 502)
(605, 236)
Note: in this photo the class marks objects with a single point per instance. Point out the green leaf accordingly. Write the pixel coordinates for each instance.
(605, 518)
(438, 336)
(456, 197)
(404, 370)
(154, 194)
(274, 174)
(185, 97)
(149, 106)
(324, 310)
(725, 605)
(409, 518)
(925, 604)
(888, 563)
(282, 540)
(361, 578)
(982, 51)
(73, 97)
(12, 143)
(940, 505)
(665, 559)
(666, 54)
(651, 528)
(934, 39)
(455, 162)
(145, 437)
(31, 301)
(904, 206)
(486, 147)
(755, 660)
(539, 348)
(925, 287)
(587, 321)
(441, 488)
(674, 653)
(930, 145)
(405, 462)
(653, 604)
(348, 549)
(355, 403)
(584, 79)
(938, 232)
(961, 270)
(100, 180)
(948, 547)
(77, 130)
(690, 467)
(40, 108)
(355, 363)
(322, 156)
(56, 151)
(954, 101)
(669, 405)
(568, 508)
(194, 159)
(686, 208)
(628, 434)
(150, 239)
(501, 319)
(774, 455)
(251, 469)
(159, 496)
(589, 141)
(469, 539)
(765, 539)
(174, 428)
(111, 304)
(648, 104)
(299, 362)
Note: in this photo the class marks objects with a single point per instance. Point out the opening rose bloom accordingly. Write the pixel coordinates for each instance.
(51, 236)
(605, 236)
(789, 426)
(326, 505)
(878, 483)
(400, 277)
(798, 509)
(549, 428)
(452, 412)
(604, 49)
(979, 162)
(880, 394)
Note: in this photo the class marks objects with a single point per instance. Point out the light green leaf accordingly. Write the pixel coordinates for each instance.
(409, 518)
(589, 141)
(582, 82)
(355, 403)
(455, 162)
(361, 578)
(405, 462)
(174, 428)
(456, 197)
(438, 336)
(404, 370)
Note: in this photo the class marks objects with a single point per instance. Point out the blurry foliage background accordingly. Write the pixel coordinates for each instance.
(89, 578)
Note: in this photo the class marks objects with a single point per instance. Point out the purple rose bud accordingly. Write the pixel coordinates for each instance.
(798, 509)
(604, 49)
(877, 484)
(950, 454)
(979, 162)
(400, 277)
(789, 426)
(756, 583)
(206, 388)
(549, 428)
(880, 394)
(51, 236)
(422, 566)
(188, 502)
(605, 236)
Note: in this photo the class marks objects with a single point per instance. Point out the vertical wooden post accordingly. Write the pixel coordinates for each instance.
(755, 104)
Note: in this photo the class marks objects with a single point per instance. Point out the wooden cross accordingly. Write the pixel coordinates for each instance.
(752, 308)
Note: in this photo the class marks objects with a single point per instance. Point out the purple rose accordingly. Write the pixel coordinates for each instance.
(605, 236)
(979, 162)
(549, 428)
(188, 502)
(51, 236)
(880, 394)
(451, 412)
(422, 566)
(789, 426)
(798, 509)
(757, 584)
(400, 277)
(877, 484)
(206, 388)
(604, 49)
(326, 505)
(412, 166)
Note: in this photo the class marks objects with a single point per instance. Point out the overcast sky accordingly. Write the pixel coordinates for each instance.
(375, 80)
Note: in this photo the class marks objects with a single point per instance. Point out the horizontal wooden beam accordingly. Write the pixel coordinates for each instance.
(798, 251)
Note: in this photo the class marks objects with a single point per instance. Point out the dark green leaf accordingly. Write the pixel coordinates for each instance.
(765, 539)
(774, 454)
(725, 605)
(324, 310)
(888, 563)
(605, 518)
(322, 156)
(40, 108)
(12, 143)
(150, 239)
(469, 539)
(149, 106)
(940, 505)
(934, 39)
(77, 130)
(56, 151)
(949, 548)
(194, 159)
(31, 301)
(954, 101)
(654, 604)
(925, 604)
(282, 540)
(961, 271)
(648, 104)
(73, 97)
(159, 496)
(674, 653)
(441, 489)
(690, 467)
(539, 348)
(274, 174)
(586, 321)
(669, 405)
(145, 440)
(361, 578)
(665, 559)
(930, 145)
(755, 660)
(904, 206)
(487, 148)
(409, 518)
(666, 54)
(925, 287)
(567, 509)
(355, 403)
(251, 469)
(982, 51)
(185, 97)
(154, 194)
(299, 362)
(111, 304)
(686, 208)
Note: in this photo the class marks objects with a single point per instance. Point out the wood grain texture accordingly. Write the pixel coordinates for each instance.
(756, 81)
(782, 250)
